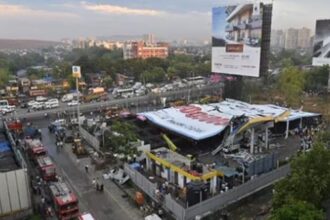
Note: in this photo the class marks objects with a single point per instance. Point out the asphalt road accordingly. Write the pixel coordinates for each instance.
(102, 205)
(142, 101)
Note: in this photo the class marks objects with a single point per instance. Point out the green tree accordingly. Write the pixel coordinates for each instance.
(317, 78)
(4, 77)
(309, 180)
(291, 85)
(108, 81)
(122, 134)
(156, 74)
(297, 210)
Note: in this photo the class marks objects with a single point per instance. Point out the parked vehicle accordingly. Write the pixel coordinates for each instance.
(52, 103)
(64, 200)
(47, 168)
(38, 106)
(41, 99)
(37, 92)
(86, 216)
(73, 103)
(34, 148)
(5, 107)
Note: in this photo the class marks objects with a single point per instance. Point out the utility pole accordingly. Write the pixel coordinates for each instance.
(76, 73)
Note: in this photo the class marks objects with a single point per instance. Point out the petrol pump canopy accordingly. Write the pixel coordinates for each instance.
(199, 122)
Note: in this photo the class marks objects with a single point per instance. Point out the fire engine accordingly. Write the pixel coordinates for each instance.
(47, 168)
(65, 201)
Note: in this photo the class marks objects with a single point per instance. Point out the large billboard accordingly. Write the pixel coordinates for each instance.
(321, 49)
(236, 39)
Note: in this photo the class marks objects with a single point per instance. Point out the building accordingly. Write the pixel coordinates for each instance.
(295, 38)
(291, 39)
(143, 51)
(278, 39)
(149, 39)
(304, 38)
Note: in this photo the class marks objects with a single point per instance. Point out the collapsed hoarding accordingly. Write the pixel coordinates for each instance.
(199, 122)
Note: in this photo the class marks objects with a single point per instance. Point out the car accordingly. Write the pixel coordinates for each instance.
(51, 105)
(31, 103)
(73, 103)
(52, 101)
(41, 98)
(37, 106)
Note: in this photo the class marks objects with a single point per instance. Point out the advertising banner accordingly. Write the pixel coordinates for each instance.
(321, 49)
(236, 39)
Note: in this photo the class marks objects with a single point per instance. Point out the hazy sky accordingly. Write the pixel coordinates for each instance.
(168, 19)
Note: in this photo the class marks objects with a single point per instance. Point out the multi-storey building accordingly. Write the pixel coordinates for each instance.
(142, 50)
(291, 38)
(304, 38)
(278, 39)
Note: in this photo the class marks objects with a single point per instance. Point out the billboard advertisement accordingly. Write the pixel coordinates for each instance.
(321, 48)
(236, 39)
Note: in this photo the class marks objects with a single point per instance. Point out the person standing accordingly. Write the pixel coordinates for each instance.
(86, 168)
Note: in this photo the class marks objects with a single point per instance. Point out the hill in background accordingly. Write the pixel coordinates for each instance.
(10, 44)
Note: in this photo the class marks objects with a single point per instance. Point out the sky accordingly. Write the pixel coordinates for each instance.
(167, 19)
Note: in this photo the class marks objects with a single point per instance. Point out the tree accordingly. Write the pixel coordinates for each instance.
(4, 77)
(297, 210)
(122, 134)
(309, 181)
(291, 85)
(317, 78)
(108, 81)
(156, 74)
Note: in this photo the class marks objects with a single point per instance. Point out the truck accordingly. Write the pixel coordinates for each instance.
(46, 168)
(64, 200)
(95, 97)
(34, 148)
(37, 92)
(96, 90)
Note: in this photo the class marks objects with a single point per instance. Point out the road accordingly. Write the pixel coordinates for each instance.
(142, 101)
(103, 206)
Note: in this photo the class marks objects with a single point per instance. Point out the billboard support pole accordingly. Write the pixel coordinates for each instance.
(329, 80)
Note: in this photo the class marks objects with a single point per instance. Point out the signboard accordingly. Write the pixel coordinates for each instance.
(236, 39)
(76, 73)
(321, 48)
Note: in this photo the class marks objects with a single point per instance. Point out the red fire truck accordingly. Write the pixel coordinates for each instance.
(47, 168)
(65, 201)
(34, 148)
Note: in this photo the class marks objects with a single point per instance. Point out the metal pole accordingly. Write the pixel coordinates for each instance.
(78, 106)
(329, 81)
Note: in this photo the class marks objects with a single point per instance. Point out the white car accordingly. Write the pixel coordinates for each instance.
(73, 103)
(41, 98)
(52, 101)
(37, 106)
(51, 105)
(31, 103)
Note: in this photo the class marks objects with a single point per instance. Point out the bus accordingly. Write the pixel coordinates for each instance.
(124, 93)
(197, 80)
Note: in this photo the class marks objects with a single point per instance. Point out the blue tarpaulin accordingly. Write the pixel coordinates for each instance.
(4, 146)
